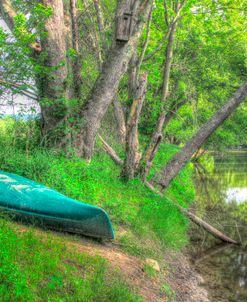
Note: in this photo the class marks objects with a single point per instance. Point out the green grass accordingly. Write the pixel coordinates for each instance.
(130, 205)
(44, 269)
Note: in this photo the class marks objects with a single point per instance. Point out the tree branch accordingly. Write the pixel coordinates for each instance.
(157, 134)
(75, 42)
(27, 93)
(170, 26)
(203, 224)
(120, 118)
(144, 47)
(111, 152)
(173, 167)
(8, 14)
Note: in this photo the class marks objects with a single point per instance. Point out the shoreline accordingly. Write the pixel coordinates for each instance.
(185, 281)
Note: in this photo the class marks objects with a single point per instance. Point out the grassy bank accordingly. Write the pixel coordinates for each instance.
(45, 269)
(146, 225)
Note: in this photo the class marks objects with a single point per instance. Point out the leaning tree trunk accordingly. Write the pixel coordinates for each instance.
(181, 158)
(113, 70)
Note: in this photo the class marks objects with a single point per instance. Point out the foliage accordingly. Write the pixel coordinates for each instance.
(209, 63)
(150, 271)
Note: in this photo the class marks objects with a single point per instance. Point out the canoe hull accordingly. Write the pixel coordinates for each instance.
(31, 202)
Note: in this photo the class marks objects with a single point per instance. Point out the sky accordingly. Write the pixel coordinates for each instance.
(16, 104)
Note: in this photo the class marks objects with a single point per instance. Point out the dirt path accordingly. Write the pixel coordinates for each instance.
(179, 275)
(131, 268)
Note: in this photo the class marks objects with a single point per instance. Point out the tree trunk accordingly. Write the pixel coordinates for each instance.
(52, 86)
(106, 86)
(120, 119)
(7, 13)
(182, 157)
(157, 134)
(76, 66)
(51, 55)
(209, 228)
(132, 77)
(133, 154)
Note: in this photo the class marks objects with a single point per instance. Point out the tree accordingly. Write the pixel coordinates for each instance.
(173, 167)
(60, 35)
(177, 89)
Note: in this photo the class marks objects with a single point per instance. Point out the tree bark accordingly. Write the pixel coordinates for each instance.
(132, 77)
(52, 85)
(99, 15)
(120, 119)
(106, 86)
(7, 13)
(133, 154)
(76, 66)
(209, 228)
(51, 81)
(182, 157)
(111, 152)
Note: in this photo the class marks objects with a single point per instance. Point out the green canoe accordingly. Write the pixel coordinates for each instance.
(33, 202)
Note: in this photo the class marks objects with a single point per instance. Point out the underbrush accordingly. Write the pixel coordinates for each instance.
(45, 269)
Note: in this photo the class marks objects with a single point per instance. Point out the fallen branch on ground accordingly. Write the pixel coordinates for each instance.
(207, 227)
(111, 152)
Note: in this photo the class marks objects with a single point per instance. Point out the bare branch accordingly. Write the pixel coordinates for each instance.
(203, 224)
(111, 152)
(27, 92)
(161, 44)
(144, 47)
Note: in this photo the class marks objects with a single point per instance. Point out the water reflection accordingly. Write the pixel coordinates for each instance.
(238, 195)
(221, 194)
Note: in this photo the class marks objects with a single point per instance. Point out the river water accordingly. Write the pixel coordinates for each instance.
(221, 194)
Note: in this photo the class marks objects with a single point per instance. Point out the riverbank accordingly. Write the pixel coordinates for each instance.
(146, 225)
(73, 268)
(185, 281)
(221, 184)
